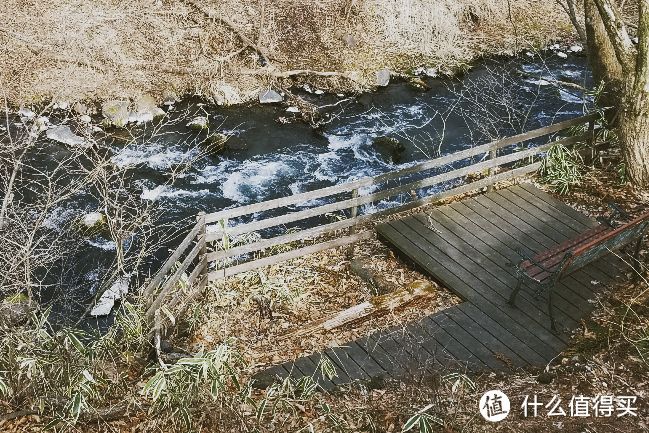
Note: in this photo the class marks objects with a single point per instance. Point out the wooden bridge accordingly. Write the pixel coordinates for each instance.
(469, 246)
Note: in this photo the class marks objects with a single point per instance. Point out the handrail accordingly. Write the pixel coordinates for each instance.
(161, 289)
(368, 181)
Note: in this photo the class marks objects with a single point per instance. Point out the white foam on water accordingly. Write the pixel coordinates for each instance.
(155, 156)
(165, 191)
(539, 82)
(102, 244)
(571, 73)
(60, 217)
(570, 97)
(253, 180)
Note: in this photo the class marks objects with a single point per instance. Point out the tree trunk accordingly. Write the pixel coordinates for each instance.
(603, 62)
(634, 122)
(634, 134)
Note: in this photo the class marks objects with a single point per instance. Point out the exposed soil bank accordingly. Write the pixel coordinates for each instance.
(228, 51)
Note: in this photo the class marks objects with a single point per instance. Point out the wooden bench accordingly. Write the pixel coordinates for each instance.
(548, 267)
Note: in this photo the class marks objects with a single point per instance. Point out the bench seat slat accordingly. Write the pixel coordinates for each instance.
(551, 258)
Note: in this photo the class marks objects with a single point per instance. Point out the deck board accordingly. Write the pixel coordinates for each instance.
(471, 247)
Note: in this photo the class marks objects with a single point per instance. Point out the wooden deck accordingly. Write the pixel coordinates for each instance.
(470, 247)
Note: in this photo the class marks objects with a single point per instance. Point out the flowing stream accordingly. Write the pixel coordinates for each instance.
(496, 98)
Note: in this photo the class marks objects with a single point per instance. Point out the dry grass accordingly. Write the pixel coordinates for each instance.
(76, 49)
(301, 291)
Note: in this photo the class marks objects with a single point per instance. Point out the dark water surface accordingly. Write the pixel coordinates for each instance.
(282, 159)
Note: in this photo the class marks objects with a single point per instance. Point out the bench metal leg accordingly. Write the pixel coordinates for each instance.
(553, 325)
(637, 267)
(512, 297)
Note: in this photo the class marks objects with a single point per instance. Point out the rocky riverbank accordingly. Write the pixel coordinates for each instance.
(71, 51)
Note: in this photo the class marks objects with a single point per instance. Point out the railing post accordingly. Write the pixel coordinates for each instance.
(352, 229)
(202, 255)
(493, 154)
(590, 138)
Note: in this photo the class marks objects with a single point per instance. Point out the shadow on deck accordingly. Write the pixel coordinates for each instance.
(470, 247)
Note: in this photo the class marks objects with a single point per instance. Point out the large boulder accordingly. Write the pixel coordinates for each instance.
(116, 113)
(383, 77)
(225, 94)
(199, 123)
(63, 134)
(15, 311)
(270, 97)
(106, 301)
(93, 223)
(146, 110)
(390, 149)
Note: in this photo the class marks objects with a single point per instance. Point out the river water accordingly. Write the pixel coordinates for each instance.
(278, 159)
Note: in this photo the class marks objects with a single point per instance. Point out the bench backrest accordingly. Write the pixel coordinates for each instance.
(609, 241)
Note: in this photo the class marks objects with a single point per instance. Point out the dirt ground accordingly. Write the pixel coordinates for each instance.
(227, 51)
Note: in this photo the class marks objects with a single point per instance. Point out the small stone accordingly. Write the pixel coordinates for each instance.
(319, 92)
(418, 84)
(350, 41)
(269, 97)
(382, 77)
(562, 55)
(61, 105)
(85, 119)
(92, 219)
(216, 143)
(41, 124)
(169, 98)
(389, 148)
(63, 134)
(81, 109)
(576, 49)
(200, 122)
(292, 110)
(545, 378)
(26, 114)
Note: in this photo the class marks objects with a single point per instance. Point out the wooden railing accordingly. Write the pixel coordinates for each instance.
(197, 260)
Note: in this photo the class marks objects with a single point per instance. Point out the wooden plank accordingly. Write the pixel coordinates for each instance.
(438, 345)
(377, 196)
(450, 280)
(453, 324)
(382, 358)
(364, 361)
(438, 162)
(556, 212)
(340, 357)
(555, 229)
(443, 333)
(400, 348)
(464, 261)
(484, 335)
(526, 350)
(341, 377)
(171, 261)
(562, 207)
(502, 258)
(266, 261)
(279, 240)
(489, 260)
(504, 233)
